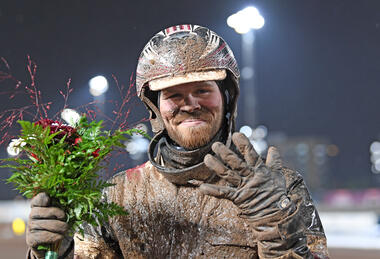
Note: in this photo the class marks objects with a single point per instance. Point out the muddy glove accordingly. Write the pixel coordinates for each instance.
(46, 225)
(259, 191)
(257, 188)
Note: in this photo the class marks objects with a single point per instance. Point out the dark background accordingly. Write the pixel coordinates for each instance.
(318, 63)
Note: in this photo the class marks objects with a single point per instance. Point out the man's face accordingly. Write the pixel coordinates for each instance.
(192, 112)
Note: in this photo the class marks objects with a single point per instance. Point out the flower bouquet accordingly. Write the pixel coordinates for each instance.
(63, 162)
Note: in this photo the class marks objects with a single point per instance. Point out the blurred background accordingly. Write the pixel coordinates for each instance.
(309, 85)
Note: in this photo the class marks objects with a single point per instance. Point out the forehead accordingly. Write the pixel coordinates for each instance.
(191, 86)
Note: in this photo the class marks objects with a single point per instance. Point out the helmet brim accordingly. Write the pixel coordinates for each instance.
(169, 81)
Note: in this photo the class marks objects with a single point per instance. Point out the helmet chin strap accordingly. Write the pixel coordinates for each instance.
(158, 99)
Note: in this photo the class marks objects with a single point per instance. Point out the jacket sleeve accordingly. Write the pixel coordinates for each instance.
(300, 234)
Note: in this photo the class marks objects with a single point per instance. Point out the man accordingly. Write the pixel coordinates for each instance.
(204, 193)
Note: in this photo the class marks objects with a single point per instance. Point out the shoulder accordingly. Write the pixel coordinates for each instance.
(131, 181)
(122, 182)
(131, 174)
(299, 193)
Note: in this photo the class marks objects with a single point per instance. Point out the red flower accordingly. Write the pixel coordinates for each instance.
(77, 140)
(56, 126)
(35, 156)
(96, 153)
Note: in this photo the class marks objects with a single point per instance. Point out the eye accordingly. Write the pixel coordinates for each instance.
(202, 91)
(174, 96)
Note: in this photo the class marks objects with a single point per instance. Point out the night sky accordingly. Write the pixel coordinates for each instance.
(318, 62)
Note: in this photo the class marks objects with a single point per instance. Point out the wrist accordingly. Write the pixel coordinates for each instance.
(272, 215)
(283, 223)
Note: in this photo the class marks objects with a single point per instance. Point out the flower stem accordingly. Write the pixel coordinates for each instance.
(53, 253)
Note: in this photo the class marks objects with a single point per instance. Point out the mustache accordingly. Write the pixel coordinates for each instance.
(198, 114)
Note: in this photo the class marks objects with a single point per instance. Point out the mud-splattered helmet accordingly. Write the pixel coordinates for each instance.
(182, 54)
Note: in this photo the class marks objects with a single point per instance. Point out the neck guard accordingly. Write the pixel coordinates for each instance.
(179, 165)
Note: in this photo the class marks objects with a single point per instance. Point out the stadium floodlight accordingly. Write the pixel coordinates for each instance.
(98, 85)
(245, 20)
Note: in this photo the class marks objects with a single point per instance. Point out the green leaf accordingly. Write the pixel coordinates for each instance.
(43, 247)
(78, 211)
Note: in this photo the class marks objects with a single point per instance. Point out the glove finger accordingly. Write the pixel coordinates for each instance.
(222, 192)
(245, 148)
(221, 170)
(55, 226)
(40, 200)
(228, 156)
(34, 239)
(244, 196)
(273, 159)
(47, 213)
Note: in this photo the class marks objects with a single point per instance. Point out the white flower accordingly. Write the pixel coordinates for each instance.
(13, 148)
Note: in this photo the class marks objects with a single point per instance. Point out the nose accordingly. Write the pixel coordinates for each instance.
(190, 104)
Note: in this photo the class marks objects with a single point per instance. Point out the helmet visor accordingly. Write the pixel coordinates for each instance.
(169, 81)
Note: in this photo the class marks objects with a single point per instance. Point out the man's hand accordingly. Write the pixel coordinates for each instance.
(257, 188)
(46, 225)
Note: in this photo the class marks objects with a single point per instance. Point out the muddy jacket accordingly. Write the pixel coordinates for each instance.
(171, 221)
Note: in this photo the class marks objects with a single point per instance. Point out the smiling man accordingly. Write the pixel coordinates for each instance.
(204, 193)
